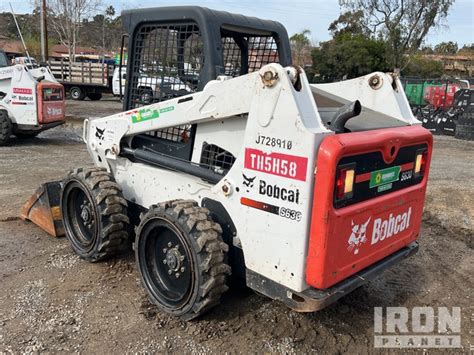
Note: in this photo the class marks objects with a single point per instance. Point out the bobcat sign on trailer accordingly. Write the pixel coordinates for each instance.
(305, 191)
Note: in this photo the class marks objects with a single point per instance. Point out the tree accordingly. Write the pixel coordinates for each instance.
(349, 22)
(349, 56)
(422, 67)
(301, 47)
(403, 24)
(66, 20)
(446, 48)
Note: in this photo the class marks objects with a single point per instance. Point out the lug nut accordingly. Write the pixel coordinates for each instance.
(170, 272)
(177, 275)
(169, 244)
(165, 250)
(164, 261)
(182, 269)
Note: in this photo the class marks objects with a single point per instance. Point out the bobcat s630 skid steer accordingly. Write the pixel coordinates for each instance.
(307, 192)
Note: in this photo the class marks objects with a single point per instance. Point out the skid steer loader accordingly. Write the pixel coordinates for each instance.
(306, 191)
(31, 100)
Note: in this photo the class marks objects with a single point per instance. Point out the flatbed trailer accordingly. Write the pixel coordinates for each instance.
(83, 79)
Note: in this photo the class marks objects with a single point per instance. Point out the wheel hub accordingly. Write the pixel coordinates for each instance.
(174, 260)
(86, 213)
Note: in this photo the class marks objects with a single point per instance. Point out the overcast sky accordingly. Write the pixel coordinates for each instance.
(315, 15)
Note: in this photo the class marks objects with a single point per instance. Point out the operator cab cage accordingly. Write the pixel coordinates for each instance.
(174, 51)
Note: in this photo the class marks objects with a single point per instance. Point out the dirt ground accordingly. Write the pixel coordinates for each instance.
(52, 301)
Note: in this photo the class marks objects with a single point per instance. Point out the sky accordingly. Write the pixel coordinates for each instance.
(297, 15)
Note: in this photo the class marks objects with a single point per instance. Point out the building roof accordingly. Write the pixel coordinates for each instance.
(11, 46)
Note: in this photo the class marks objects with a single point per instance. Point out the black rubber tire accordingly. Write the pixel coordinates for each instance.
(77, 93)
(146, 96)
(107, 207)
(94, 96)
(465, 132)
(26, 135)
(204, 255)
(5, 128)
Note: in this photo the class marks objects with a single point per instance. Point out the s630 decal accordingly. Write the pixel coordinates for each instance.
(267, 207)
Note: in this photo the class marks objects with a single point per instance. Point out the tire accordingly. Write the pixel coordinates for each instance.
(146, 96)
(26, 135)
(94, 214)
(181, 258)
(5, 128)
(464, 132)
(77, 93)
(94, 96)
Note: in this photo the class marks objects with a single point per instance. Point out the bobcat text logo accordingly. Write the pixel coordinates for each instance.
(358, 236)
(389, 227)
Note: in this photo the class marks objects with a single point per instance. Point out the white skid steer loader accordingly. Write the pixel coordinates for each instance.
(31, 100)
(306, 192)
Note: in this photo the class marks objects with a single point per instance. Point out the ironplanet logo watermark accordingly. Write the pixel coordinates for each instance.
(419, 327)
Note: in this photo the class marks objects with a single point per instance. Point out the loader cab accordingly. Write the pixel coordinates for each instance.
(175, 51)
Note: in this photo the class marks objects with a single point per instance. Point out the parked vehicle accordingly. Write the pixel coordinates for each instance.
(152, 88)
(31, 100)
(83, 79)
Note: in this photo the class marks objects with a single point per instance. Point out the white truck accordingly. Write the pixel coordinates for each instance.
(151, 87)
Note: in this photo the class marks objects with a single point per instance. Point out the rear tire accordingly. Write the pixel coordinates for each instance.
(77, 93)
(181, 258)
(5, 128)
(94, 96)
(94, 214)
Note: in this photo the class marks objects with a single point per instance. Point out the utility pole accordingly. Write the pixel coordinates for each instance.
(44, 32)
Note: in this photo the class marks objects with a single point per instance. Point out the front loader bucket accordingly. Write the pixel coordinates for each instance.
(43, 208)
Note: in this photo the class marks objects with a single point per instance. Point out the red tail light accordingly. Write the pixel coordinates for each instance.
(345, 182)
(420, 162)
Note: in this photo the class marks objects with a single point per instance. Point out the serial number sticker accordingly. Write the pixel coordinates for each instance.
(384, 176)
(279, 164)
(274, 142)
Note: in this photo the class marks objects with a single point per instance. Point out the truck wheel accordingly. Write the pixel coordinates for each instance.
(180, 257)
(5, 127)
(146, 96)
(94, 96)
(76, 93)
(94, 214)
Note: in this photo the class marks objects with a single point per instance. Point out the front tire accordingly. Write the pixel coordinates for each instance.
(181, 258)
(146, 96)
(5, 128)
(94, 214)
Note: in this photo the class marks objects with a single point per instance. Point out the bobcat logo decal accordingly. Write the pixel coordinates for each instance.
(357, 237)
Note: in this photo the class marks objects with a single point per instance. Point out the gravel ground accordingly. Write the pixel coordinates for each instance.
(53, 301)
